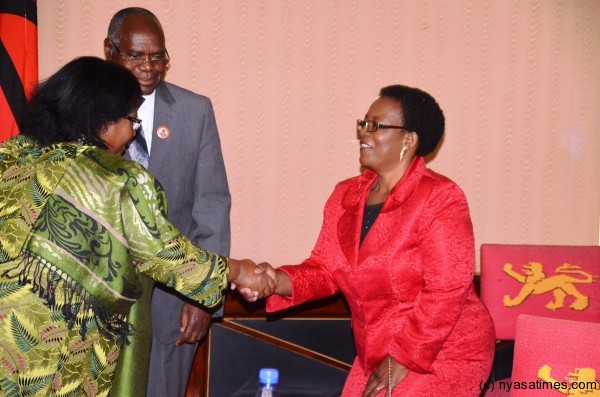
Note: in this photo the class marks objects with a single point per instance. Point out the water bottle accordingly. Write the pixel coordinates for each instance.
(268, 383)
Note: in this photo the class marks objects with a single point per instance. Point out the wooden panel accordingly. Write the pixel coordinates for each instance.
(332, 307)
(237, 309)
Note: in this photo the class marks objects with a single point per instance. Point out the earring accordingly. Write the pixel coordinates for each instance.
(402, 152)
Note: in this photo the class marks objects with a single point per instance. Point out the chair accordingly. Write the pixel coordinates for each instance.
(555, 357)
(543, 280)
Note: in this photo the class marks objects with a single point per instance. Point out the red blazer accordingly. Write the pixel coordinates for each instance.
(410, 284)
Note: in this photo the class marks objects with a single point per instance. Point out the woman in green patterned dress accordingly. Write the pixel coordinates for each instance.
(80, 229)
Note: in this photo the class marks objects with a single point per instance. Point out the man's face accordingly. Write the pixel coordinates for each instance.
(140, 38)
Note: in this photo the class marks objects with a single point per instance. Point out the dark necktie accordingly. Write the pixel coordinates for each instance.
(138, 149)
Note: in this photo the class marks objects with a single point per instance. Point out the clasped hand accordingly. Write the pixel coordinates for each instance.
(252, 281)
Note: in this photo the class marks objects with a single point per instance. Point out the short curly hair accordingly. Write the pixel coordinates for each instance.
(422, 114)
(79, 101)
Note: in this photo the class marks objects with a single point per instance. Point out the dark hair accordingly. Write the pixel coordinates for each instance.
(422, 114)
(79, 101)
(117, 20)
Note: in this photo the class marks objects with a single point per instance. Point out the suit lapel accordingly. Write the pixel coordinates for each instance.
(164, 116)
(382, 233)
(396, 214)
(353, 204)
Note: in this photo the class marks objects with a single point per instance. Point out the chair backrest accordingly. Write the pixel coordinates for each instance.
(555, 357)
(542, 280)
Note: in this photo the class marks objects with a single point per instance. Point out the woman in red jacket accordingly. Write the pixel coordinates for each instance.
(398, 242)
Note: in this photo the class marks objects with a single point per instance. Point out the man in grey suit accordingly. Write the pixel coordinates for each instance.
(181, 138)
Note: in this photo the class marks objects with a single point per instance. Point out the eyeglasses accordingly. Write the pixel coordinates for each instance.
(372, 126)
(136, 123)
(160, 59)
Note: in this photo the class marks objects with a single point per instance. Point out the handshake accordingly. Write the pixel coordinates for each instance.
(251, 280)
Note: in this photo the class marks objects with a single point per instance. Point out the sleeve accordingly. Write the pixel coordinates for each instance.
(312, 279)
(212, 199)
(160, 252)
(448, 256)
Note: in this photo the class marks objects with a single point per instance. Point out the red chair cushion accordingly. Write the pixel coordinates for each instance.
(556, 357)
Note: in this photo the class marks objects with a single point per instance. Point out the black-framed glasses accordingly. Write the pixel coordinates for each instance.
(135, 123)
(372, 126)
(139, 59)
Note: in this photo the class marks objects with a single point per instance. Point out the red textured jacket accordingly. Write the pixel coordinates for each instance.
(410, 284)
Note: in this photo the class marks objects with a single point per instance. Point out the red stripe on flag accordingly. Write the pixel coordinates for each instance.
(19, 37)
(8, 125)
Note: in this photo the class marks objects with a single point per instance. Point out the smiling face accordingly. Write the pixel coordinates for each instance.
(118, 135)
(140, 35)
(380, 150)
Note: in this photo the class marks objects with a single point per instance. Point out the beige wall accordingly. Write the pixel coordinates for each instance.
(519, 82)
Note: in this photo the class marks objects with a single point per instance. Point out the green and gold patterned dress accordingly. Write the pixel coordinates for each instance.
(80, 228)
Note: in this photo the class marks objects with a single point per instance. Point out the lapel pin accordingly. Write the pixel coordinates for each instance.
(163, 132)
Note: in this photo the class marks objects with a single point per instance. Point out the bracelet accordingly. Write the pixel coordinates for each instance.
(389, 390)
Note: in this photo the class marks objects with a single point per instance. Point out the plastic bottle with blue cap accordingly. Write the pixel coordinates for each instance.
(269, 377)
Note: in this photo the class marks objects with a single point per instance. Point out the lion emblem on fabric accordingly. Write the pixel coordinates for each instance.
(562, 284)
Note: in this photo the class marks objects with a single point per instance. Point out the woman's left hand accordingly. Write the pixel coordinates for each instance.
(388, 372)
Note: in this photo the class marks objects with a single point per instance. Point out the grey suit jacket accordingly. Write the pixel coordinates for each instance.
(189, 165)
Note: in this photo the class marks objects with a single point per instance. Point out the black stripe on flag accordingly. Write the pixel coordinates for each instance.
(25, 9)
(11, 84)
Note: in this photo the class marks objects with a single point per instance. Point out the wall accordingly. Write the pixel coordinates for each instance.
(519, 82)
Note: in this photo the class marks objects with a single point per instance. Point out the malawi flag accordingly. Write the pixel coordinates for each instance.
(18, 61)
